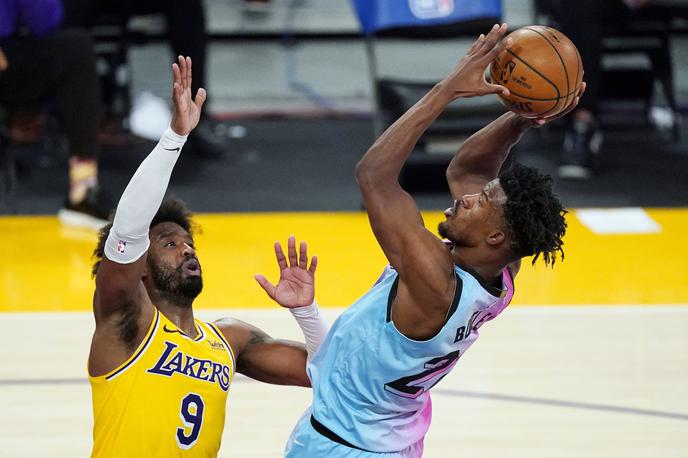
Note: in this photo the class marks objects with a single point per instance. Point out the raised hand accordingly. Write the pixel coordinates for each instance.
(187, 111)
(296, 286)
(467, 79)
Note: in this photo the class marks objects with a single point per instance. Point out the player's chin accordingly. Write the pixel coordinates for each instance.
(191, 286)
(443, 230)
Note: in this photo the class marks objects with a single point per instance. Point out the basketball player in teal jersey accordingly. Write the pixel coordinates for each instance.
(372, 373)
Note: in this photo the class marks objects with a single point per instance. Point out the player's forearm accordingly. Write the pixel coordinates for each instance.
(484, 152)
(387, 156)
(313, 326)
(278, 362)
(141, 200)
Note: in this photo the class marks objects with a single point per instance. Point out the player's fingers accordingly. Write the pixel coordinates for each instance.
(482, 43)
(497, 89)
(182, 70)
(176, 73)
(498, 49)
(303, 255)
(268, 287)
(477, 44)
(291, 244)
(186, 73)
(189, 70)
(571, 107)
(279, 254)
(314, 264)
(176, 92)
(542, 121)
(582, 87)
(201, 95)
(493, 37)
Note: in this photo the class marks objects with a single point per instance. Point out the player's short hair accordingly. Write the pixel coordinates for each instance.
(172, 210)
(534, 215)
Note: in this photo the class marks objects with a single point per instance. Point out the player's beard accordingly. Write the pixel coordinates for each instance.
(444, 232)
(172, 282)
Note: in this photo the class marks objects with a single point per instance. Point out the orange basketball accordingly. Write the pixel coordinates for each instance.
(542, 69)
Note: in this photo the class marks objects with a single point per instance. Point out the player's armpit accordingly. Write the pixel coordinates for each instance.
(259, 356)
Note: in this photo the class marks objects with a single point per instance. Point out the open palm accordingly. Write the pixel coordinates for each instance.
(296, 285)
(187, 111)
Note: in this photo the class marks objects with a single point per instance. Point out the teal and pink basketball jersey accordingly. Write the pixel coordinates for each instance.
(371, 383)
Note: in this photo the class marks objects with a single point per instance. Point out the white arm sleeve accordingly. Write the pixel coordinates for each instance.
(313, 325)
(128, 238)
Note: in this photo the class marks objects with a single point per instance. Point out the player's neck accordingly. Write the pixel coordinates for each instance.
(178, 311)
(486, 267)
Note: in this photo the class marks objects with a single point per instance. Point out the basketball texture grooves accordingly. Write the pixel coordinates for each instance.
(542, 69)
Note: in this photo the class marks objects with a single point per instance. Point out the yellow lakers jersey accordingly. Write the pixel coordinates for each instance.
(168, 399)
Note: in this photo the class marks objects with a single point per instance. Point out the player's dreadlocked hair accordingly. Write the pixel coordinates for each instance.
(534, 215)
(172, 210)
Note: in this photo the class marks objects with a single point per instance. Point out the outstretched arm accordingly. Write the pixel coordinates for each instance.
(481, 156)
(119, 275)
(393, 214)
(281, 362)
(121, 305)
(259, 356)
(427, 281)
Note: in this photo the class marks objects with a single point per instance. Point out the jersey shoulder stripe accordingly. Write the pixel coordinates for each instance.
(213, 327)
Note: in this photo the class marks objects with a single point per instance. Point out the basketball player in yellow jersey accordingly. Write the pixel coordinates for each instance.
(160, 377)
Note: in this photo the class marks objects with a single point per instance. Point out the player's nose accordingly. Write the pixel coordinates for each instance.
(188, 250)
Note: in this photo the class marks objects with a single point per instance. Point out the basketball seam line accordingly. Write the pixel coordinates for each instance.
(541, 76)
(564, 96)
(561, 59)
(534, 70)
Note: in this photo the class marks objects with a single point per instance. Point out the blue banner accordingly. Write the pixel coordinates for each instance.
(376, 15)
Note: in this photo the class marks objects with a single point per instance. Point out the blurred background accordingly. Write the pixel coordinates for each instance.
(298, 90)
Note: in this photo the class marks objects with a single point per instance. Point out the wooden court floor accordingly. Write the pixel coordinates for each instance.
(590, 361)
(540, 382)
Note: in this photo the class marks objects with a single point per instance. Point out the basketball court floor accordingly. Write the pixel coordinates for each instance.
(591, 359)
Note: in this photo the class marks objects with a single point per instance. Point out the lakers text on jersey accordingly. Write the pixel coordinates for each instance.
(168, 399)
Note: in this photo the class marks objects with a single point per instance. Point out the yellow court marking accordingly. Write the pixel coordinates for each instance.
(46, 267)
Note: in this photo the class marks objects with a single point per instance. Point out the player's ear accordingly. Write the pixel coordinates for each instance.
(495, 237)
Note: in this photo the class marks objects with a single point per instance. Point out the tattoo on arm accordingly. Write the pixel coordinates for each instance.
(257, 337)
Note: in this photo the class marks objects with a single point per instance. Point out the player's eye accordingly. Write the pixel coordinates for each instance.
(171, 244)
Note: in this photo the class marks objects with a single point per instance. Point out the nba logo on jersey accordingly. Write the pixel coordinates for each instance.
(431, 9)
(121, 245)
